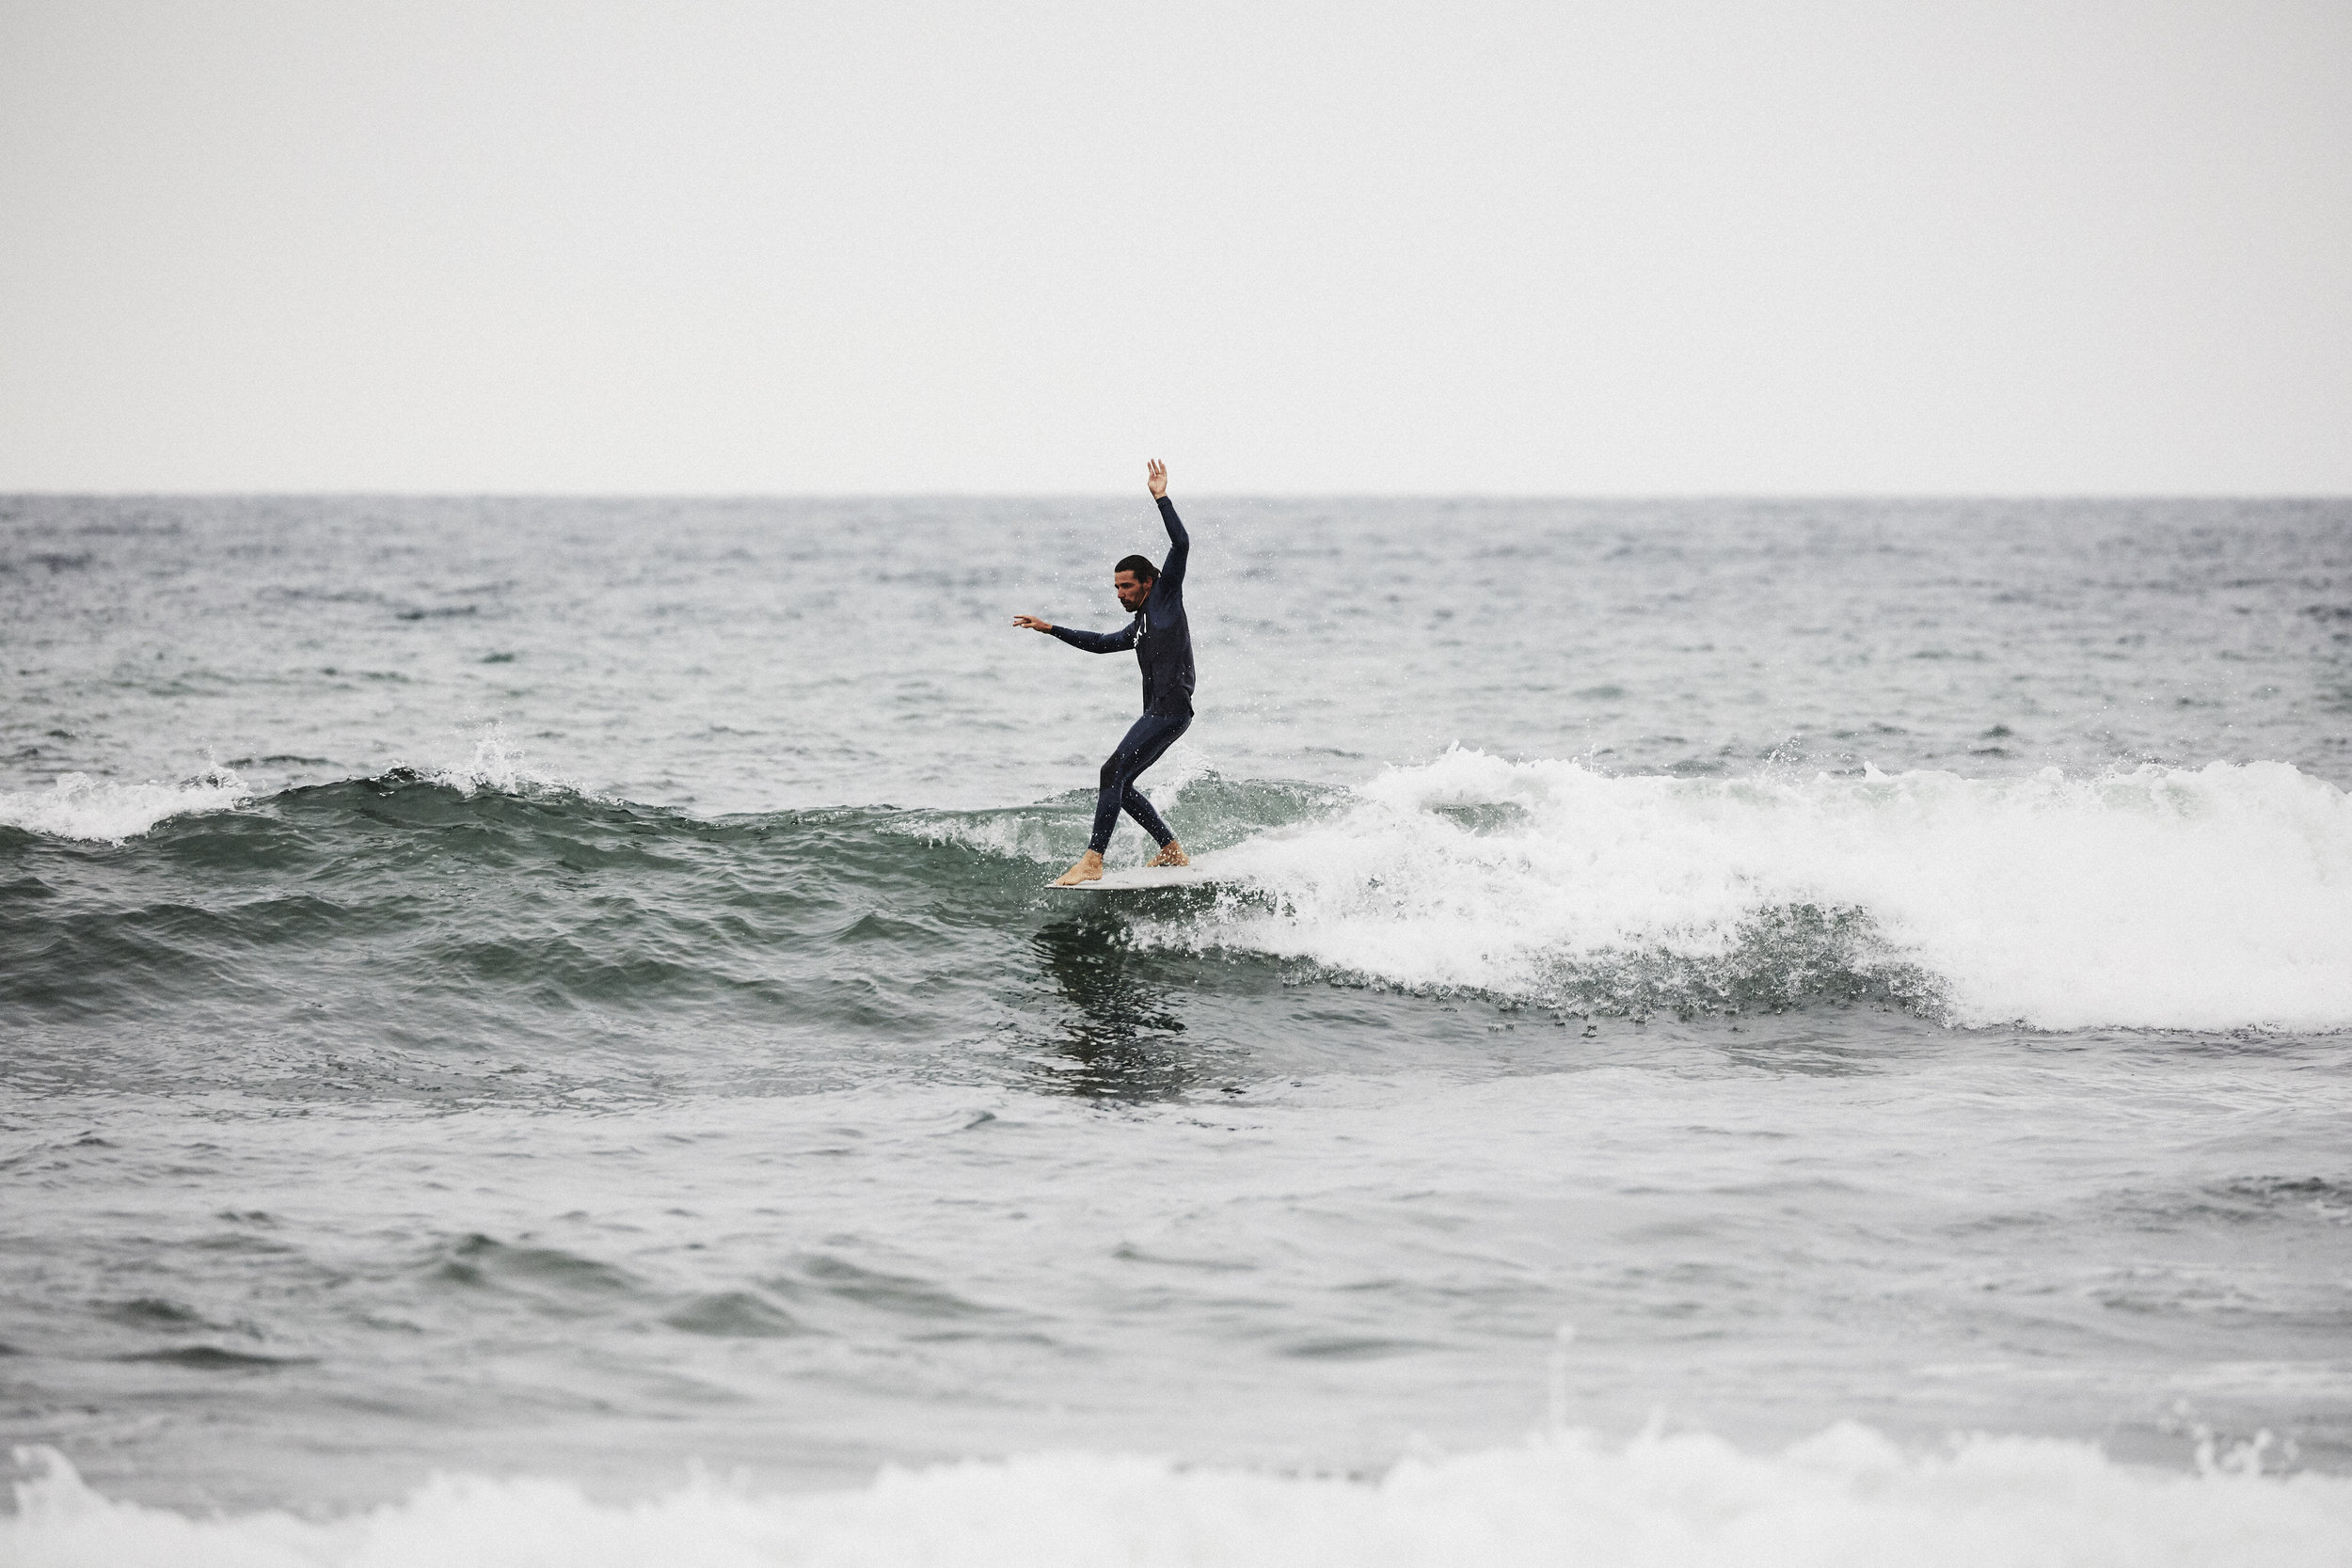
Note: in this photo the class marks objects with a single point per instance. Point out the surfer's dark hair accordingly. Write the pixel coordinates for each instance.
(1140, 565)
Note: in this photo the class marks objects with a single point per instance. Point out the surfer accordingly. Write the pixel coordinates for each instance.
(1163, 646)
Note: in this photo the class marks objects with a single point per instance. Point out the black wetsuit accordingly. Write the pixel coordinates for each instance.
(1161, 639)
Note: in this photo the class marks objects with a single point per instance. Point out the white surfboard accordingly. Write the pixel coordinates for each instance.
(1135, 878)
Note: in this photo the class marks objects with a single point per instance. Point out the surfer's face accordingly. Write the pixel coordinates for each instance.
(1131, 592)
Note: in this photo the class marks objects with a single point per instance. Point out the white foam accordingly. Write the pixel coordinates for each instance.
(2208, 898)
(1845, 1497)
(103, 811)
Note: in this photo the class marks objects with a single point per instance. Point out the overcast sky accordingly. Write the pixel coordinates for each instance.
(1647, 247)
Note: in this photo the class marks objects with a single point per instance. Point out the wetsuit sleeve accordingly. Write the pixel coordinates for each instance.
(1098, 641)
(1179, 547)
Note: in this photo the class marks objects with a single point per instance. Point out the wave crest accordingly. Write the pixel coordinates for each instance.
(100, 811)
(2212, 899)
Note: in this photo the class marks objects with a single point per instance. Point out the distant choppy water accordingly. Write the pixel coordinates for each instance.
(563, 989)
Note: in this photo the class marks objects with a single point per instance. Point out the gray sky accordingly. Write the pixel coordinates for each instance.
(1979, 247)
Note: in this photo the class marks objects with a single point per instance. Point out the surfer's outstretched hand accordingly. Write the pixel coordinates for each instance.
(1158, 471)
(1032, 622)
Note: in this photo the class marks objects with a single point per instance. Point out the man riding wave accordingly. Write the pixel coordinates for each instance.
(1161, 639)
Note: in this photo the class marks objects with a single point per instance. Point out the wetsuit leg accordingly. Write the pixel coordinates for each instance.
(1142, 746)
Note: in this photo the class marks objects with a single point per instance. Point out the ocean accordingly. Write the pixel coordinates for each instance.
(1717, 1032)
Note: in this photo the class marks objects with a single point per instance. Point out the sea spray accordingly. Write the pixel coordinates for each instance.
(496, 764)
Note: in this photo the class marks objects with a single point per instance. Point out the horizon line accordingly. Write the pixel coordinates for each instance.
(1050, 494)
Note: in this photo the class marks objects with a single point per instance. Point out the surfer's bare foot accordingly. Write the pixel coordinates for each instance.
(1088, 869)
(1172, 853)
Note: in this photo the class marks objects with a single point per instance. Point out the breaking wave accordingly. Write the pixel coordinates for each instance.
(102, 811)
(2209, 898)
(2213, 898)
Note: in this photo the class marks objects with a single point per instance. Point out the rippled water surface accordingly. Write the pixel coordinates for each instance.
(567, 987)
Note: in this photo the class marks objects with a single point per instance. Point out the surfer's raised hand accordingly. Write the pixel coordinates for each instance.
(1158, 471)
(1032, 622)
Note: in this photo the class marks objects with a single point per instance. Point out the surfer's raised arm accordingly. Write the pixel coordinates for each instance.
(1178, 541)
(1134, 580)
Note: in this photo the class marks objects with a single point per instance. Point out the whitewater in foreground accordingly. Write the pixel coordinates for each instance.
(1846, 1496)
